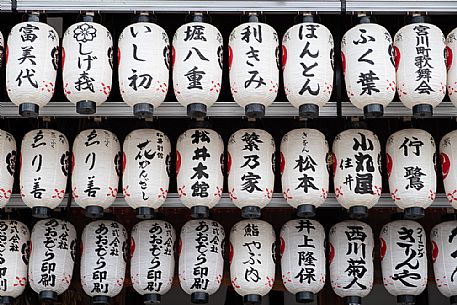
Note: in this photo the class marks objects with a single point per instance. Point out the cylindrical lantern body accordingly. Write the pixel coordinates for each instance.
(199, 163)
(451, 48)
(403, 259)
(448, 157)
(253, 66)
(96, 170)
(252, 259)
(87, 65)
(52, 257)
(251, 159)
(307, 64)
(368, 66)
(411, 170)
(201, 260)
(357, 170)
(351, 260)
(44, 170)
(152, 263)
(420, 63)
(103, 259)
(303, 258)
(146, 170)
(7, 166)
(144, 63)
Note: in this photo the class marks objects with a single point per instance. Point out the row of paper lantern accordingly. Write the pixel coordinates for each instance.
(373, 74)
(201, 259)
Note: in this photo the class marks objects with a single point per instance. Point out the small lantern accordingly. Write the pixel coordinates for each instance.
(199, 163)
(146, 170)
(7, 166)
(152, 263)
(451, 51)
(448, 157)
(411, 170)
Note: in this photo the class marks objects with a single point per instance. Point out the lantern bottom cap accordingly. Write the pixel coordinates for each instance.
(199, 297)
(452, 300)
(406, 299)
(100, 300)
(196, 110)
(254, 111)
(199, 212)
(422, 111)
(48, 296)
(250, 212)
(252, 299)
(144, 213)
(29, 110)
(308, 111)
(304, 297)
(352, 300)
(93, 211)
(306, 211)
(414, 213)
(373, 111)
(153, 298)
(143, 110)
(358, 212)
(6, 300)
(41, 212)
(86, 107)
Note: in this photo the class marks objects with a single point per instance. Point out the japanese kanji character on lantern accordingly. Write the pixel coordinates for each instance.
(8, 156)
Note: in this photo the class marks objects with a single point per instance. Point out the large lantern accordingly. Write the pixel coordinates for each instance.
(448, 157)
(199, 162)
(201, 260)
(307, 64)
(254, 66)
(31, 65)
(144, 63)
(103, 260)
(368, 66)
(351, 260)
(303, 258)
(87, 64)
(7, 166)
(304, 172)
(403, 259)
(252, 259)
(44, 170)
(14, 258)
(146, 170)
(357, 170)
(421, 69)
(53, 251)
(197, 65)
(96, 170)
(251, 159)
(411, 170)
(451, 48)
(152, 264)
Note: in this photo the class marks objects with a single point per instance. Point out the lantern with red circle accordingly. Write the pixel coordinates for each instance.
(7, 166)
(451, 52)
(448, 157)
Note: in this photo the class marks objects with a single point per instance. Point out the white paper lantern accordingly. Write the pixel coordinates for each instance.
(351, 260)
(403, 259)
(252, 259)
(7, 166)
(197, 66)
(357, 170)
(451, 48)
(307, 64)
(31, 65)
(448, 157)
(103, 260)
(96, 170)
(146, 170)
(253, 67)
(201, 260)
(14, 258)
(421, 70)
(411, 170)
(251, 159)
(144, 63)
(87, 65)
(52, 257)
(199, 162)
(303, 258)
(152, 264)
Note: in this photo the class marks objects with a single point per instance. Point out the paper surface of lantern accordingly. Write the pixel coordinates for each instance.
(304, 173)
(253, 66)
(96, 170)
(201, 261)
(2, 49)
(421, 76)
(448, 158)
(87, 65)
(197, 66)
(368, 66)
(411, 170)
(152, 263)
(103, 260)
(7, 166)
(31, 65)
(251, 154)
(14, 258)
(144, 63)
(146, 170)
(357, 170)
(44, 170)
(252, 259)
(451, 52)
(52, 257)
(351, 260)
(307, 64)
(200, 157)
(403, 259)
(303, 258)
